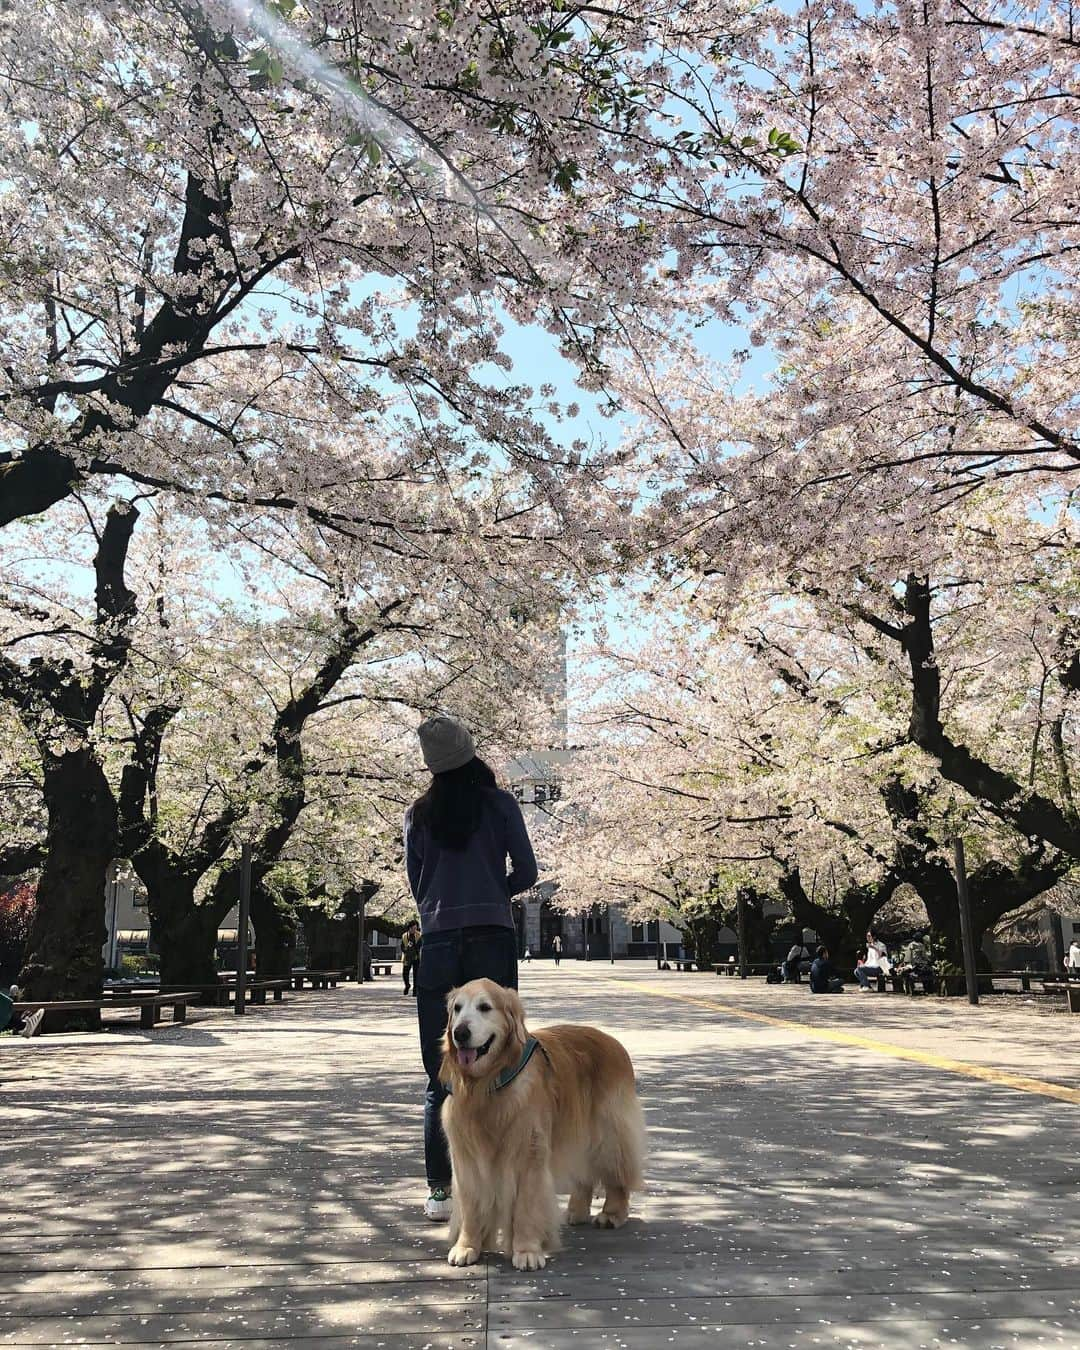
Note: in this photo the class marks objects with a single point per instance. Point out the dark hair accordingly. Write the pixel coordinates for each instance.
(823, 950)
(451, 806)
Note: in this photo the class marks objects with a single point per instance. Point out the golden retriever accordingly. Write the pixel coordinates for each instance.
(569, 1120)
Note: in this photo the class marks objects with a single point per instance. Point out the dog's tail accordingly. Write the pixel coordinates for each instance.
(624, 1151)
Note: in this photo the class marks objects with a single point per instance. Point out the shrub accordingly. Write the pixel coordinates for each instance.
(16, 915)
(139, 965)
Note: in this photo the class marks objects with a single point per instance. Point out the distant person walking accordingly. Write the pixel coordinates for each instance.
(1072, 961)
(556, 948)
(458, 836)
(410, 955)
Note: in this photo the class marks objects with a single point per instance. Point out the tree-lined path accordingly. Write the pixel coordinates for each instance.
(256, 1183)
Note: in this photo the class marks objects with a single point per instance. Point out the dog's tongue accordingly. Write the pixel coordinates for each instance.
(466, 1057)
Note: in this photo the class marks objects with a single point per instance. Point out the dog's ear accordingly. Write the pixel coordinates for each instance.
(448, 1061)
(515, 1011)
(447, 1047)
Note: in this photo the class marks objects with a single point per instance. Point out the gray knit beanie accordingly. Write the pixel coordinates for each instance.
(445, 743)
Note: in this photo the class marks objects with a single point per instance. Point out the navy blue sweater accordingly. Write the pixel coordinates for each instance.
(460, 888)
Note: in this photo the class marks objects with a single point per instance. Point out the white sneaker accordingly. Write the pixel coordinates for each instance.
(32, 1024)
(437, 1205)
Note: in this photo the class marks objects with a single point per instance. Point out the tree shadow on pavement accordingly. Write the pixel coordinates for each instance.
(271, 1190)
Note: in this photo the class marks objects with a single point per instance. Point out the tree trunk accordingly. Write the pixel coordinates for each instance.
(702, 931)
(64, 954)
(833, 929)
(185, 934)
(759, 927)
(275, 925)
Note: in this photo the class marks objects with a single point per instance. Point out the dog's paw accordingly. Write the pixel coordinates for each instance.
(603, 1220)
(460, 1255)
(534, 1260)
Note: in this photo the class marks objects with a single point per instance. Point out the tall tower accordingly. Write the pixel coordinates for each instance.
(535, 778)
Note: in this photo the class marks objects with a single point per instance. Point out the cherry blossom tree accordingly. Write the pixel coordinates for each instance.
(204, 714)
(354, 639)
(776, 761)
(902, 260)
(892, 220)
(56, 673)
(233, 229)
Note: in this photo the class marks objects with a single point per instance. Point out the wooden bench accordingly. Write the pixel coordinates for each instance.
(318, 979)
(381, 967)
(257, 990)
(752, 967)
(685, 965)
(1023, 977)
(1070, 988)
(261, 988)
(954, 984)
(223, 993)
(218, 995)
(149, 1004)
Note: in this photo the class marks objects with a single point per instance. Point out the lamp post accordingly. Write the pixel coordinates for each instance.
(364, 893)
(361, 909)
(242, 929)
(114, 900)
(971, 979)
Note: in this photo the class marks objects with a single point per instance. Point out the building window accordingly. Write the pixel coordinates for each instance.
(546, 792)
(637, 932)
(518, 790)
(1076, 927)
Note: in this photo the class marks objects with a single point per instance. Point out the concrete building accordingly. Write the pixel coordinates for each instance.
(536, 780)
(1070, 930)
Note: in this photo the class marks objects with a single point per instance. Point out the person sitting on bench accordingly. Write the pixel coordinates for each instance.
(823, 976)
(915, 964)
(798, 960)
(875, 965)
(10, 1020)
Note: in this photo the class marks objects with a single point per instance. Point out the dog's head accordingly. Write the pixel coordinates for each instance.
(485, 1030)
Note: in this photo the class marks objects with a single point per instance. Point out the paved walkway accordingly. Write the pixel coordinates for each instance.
(822, 1173)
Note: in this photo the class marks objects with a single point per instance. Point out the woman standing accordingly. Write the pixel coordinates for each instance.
(458, 836)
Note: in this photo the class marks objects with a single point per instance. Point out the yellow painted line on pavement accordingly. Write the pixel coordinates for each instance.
(999, 1077)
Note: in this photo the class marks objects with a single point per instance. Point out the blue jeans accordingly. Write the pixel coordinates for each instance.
(449, 959)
